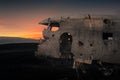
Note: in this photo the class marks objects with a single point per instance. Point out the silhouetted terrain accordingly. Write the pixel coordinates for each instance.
(17, 61)
(10, 40)
(15, 53)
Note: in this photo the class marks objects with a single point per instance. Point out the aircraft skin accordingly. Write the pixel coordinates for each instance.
(85, 39)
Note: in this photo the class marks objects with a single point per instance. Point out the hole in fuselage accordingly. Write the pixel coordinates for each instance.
(53, 26)
(107, 21)
(107, 36)
(65, 45)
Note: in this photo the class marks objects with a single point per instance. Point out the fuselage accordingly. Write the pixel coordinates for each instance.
(86, 38)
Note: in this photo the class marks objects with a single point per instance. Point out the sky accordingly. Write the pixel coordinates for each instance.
(20, 18)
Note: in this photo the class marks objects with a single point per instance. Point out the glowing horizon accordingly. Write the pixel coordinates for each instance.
(30, 36)
(20, 27)
(27, 33)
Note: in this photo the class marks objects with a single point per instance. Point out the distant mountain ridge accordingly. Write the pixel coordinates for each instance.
(8, 40)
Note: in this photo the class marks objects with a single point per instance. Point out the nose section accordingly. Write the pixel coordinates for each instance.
(44, 22)
(50, 20)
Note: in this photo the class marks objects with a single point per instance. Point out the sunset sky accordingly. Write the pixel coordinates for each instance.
(20, 18)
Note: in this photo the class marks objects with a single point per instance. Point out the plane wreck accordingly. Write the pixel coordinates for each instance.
(84, 40)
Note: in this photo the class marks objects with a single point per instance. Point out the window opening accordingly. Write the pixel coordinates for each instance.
(107, 36)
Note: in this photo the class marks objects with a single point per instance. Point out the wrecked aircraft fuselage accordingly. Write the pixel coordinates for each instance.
(83, 39)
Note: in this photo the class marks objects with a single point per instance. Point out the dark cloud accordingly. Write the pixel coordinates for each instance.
(11, 8)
